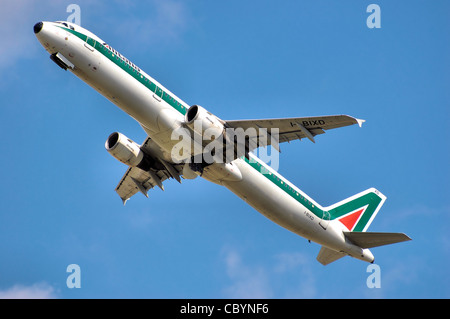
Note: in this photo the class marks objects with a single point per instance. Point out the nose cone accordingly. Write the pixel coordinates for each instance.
(38, 27)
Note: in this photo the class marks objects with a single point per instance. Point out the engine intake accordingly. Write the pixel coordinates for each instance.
(127, 151)
(203, 123)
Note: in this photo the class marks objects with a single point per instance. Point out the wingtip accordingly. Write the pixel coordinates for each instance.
(407, 238)
(360, 122)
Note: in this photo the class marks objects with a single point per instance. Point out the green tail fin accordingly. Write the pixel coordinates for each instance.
(356, 213)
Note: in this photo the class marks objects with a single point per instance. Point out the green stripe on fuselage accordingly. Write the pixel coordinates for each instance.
(370, 199)
(136, 74)
(275, 179)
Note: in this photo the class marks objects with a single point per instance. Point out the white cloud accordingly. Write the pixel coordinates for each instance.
(17, 19)
(289, 276)
(35, 291)
(14, 34)
(289, 261)
(164, 23)
(299, 269)
(246, 281)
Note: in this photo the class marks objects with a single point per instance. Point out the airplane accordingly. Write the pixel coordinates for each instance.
(340, 229)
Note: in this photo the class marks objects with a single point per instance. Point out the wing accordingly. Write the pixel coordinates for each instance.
(137, 180)
(289, 129)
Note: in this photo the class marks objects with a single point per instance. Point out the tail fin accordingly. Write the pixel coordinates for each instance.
(356, 213)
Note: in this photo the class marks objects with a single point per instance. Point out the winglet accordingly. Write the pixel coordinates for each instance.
(360, 122)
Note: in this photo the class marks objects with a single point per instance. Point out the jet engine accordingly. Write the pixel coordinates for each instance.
(218, 140)
(127, 151)
(203, 123)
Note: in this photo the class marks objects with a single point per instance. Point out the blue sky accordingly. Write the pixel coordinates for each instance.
(240, 60)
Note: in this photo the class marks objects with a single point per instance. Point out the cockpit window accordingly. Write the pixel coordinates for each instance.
(67, 25)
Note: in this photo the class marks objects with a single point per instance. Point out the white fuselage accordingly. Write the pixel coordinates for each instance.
(160, 112)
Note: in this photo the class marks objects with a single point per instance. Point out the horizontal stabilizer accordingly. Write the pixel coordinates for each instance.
(371, 239)
(327, 256)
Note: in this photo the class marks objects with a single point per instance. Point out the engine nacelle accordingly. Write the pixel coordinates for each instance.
(126, 151)
(221, 172)
(204, 123)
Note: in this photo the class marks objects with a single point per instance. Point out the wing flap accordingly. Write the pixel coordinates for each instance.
(137, 180)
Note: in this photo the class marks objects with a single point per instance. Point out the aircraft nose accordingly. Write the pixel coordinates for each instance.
(38, 27)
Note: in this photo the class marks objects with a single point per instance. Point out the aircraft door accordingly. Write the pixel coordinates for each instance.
(325, 219)
(90, 44)
(94, 63)
(158, 93)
